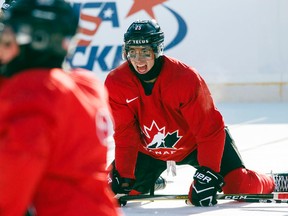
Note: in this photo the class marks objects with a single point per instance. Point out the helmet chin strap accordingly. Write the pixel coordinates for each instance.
(152, 73)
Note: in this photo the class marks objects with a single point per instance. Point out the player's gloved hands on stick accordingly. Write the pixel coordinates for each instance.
(204, 188)
(120, 185)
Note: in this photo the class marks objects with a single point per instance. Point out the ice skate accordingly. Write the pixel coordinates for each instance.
(281, 182)
(160, 183)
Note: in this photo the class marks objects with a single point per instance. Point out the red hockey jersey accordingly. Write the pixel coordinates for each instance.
(176, 119)
(53, 127)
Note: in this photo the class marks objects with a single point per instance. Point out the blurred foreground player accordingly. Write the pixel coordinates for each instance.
(164, 112)
(53, 124)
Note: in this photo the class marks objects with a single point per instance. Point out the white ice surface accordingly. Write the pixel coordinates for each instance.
(261, 135)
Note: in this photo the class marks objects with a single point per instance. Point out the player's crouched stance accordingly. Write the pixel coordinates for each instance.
(163, 111)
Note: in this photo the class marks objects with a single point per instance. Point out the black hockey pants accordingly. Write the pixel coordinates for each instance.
(148, 169)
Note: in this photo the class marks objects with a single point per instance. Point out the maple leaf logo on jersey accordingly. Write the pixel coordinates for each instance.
(158, 138)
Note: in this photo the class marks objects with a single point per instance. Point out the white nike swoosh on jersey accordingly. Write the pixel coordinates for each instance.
(130, 100)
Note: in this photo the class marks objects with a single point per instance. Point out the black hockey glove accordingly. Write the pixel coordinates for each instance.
(118, 184)
(205, 186)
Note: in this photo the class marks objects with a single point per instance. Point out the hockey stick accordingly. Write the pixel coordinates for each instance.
(258, 198)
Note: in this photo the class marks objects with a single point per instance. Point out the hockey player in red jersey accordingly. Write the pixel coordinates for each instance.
(163, 111)
(53, 123)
